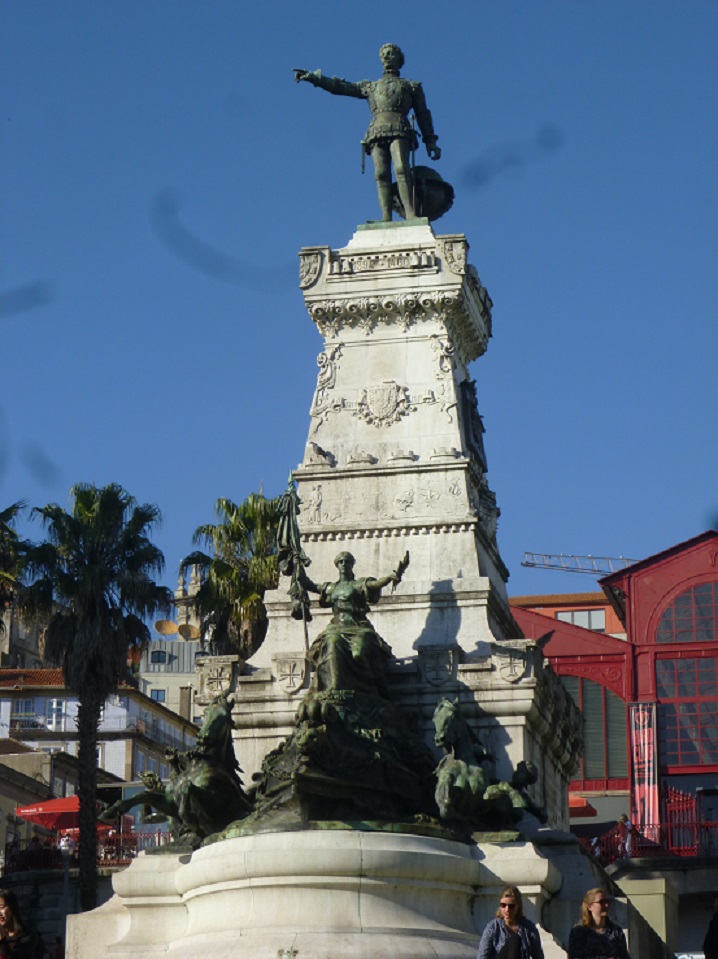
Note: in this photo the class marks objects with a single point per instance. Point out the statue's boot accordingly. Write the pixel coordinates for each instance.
(384, 190)
(404, 185)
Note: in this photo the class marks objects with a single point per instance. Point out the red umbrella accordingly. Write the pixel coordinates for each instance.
(579, 806)
(53, 813)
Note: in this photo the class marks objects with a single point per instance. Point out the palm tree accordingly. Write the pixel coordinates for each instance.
(12, 551)
(91, 579)
(230, 600)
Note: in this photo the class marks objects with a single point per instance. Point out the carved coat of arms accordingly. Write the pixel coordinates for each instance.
(290, 670)
(383, 404)
(310, 266)
(437, 664)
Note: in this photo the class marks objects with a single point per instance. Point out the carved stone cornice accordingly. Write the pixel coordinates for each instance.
(466, 318)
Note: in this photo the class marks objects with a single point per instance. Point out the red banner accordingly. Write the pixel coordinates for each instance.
(645, 811)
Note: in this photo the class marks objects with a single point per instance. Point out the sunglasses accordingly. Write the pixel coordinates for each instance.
(507, 905)
(602, 902)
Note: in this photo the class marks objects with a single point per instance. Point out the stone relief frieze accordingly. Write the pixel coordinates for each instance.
(328, 363)
(424, 498)
(314, 510)
(398, 261)
(383, 404)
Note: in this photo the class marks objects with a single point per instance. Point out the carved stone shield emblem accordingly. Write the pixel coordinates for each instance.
(511, 664)
(310, 266)
(290, 670)
(383, 404)
(216, 674)
(437, 664)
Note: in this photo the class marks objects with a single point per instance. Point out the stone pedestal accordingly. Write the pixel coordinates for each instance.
(395, 458)
(314, 895)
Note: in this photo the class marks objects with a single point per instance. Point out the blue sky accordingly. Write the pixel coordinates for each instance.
(160, 170)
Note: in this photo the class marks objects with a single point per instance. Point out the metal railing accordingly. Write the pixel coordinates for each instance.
(683, 839)
(113, 850)
(151, 729)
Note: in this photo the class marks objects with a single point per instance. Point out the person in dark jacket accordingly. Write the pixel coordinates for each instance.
(710, 943)
(597, 937)
(510, 935)
(17, 941)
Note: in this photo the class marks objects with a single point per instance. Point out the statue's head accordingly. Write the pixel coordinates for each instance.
(344, 562)
(391, 57)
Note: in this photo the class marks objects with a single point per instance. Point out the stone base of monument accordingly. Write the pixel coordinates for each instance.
(313, 894)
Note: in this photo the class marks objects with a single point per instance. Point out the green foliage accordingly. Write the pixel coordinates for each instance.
(243, 565)
(12, 554)
(91, 580)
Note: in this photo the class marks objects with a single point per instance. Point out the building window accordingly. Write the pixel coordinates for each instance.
(687, 693)
(605, 723)
(594, 619)
(158, 695)
(158, 656)
(692, 617)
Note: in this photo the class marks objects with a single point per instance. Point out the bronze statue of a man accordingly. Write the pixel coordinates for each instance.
(390, 137)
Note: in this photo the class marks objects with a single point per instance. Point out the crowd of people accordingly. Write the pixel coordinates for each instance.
(510, 935)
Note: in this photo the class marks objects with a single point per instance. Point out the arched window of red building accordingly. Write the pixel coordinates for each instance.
(687, 680)
(692, 617)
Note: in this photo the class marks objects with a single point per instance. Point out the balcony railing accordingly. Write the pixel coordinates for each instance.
(116, 850)
(683, 839)
(153, 731)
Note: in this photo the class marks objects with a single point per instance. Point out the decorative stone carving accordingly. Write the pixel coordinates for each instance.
(445, 361)
(488, 510)
(358, 457)
(314, 513)
(454, 250)
(311, 262)
(217, 675)
(437, 664)
(511, 664)
(397, 262)
(316, 456)
(443, 454)
(290, 670)
(383, 404)
(327, 362)
(473, 423)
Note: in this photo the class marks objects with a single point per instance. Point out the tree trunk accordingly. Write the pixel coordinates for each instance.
(88, 719)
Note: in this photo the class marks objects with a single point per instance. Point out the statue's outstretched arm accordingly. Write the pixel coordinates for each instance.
(426, 124)
(335, 85)
(394, 577)
(307, 583)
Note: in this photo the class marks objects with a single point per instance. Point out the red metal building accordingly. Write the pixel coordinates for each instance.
(646, 678)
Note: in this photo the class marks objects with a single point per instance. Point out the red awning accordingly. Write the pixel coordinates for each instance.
(53, 813)
(579, 807)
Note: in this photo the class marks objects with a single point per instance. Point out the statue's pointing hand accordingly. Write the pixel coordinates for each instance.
(307, 75)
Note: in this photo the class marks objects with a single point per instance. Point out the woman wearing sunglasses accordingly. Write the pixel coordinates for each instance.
(510, 935)
(597, 937)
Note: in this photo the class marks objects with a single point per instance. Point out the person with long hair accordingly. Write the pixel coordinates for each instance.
(510, 935)
(596, 936)
(17, 941)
